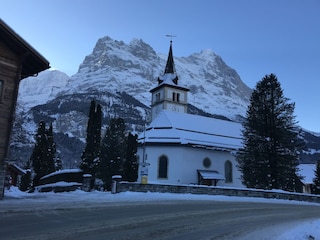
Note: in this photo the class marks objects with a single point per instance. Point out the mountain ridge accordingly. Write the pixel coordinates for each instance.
(119, 77)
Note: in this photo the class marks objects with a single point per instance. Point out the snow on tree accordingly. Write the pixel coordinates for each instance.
(269, 158)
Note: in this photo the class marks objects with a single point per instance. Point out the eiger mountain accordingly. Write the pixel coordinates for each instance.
(119, 76)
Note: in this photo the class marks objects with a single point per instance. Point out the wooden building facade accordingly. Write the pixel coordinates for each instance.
(18, 60)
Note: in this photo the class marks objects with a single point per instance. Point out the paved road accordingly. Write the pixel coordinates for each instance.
(158, 220)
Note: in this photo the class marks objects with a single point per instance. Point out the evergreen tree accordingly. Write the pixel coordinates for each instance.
(26, 180)
(130, 171)
(58, 163)
(316, 180)
(269, 158)
(90, 156)
(113, 151)
(50, 151)
(42, 157)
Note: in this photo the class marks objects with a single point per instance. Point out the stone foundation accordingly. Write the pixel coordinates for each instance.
(198, 189)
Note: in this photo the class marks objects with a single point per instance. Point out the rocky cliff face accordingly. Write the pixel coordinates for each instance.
(133, 68)
(119, 76)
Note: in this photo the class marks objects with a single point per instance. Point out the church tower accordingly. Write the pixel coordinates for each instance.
(169, 95)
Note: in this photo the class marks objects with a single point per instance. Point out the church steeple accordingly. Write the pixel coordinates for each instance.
(168, 95)
(169, 71)
(170, 64)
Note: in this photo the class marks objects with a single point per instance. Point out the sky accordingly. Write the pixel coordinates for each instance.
(253, 37)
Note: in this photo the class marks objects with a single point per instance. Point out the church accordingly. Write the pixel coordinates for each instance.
(180, 148)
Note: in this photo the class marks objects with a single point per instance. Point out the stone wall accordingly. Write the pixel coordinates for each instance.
(197, 189)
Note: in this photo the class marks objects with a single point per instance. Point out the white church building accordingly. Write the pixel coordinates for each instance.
(181, 148)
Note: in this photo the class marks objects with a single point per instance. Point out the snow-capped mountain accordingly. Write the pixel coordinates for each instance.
(134, 67)
(38, 90)
(119, 76)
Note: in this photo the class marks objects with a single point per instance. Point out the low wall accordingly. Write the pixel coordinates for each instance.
(198, 189)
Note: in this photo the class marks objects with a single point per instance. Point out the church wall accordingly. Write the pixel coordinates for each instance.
(183, 163)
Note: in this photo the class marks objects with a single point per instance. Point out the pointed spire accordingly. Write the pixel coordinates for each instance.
(170, 69)
(170, 63)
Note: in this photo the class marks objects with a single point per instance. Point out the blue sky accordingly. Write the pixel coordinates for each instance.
(253, 37)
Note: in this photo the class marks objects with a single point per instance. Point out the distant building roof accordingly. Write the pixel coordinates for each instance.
(181, 128)
(33, 62)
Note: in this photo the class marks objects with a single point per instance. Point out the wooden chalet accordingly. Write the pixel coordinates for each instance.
(18, 60)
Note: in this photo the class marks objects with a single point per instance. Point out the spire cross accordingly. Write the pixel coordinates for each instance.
(170, 36)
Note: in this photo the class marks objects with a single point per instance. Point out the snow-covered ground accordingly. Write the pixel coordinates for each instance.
(15, 201)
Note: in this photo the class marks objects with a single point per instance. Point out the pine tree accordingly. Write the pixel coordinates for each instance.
(316, 180)
(90, 156)
(269, 158)
(50, 151)
(58, 163)
(43, 154)
(26, 180)
(130, 171)
(112, 151)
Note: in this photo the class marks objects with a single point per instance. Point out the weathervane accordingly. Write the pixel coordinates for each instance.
(170, 36)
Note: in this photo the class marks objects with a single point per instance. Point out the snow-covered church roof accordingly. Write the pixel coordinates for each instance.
(180, 128)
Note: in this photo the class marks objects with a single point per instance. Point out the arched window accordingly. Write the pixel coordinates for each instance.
(228, 171)
(163, 167)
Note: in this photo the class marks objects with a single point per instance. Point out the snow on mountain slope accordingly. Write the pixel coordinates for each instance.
(119, 76)
(38, 90)
(115, 66)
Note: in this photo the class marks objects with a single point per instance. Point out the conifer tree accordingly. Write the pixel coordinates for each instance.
(26, 180)
(269, 158)
(316, 180)
(90, 156)
(130, 168)
(43, 154)
(113, 151)
(58, 163)
(50, 150)
(38, 154)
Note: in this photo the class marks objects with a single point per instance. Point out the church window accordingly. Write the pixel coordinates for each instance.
(178, 97)
(163, 167)
(173, 96)
(206, 162)
(228, 172)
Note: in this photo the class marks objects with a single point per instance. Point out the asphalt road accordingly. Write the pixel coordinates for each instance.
(157, 220)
